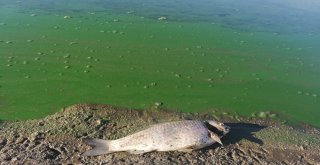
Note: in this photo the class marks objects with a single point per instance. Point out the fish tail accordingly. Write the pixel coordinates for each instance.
(99, 147)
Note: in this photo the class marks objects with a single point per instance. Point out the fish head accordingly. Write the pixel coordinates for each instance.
(217, 127)
(215, 137)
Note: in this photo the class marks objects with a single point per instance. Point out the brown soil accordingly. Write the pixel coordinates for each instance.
(57, 139)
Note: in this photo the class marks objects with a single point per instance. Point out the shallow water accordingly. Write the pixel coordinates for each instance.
(244, 57)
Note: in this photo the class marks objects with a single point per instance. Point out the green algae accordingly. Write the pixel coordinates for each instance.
(53, 57)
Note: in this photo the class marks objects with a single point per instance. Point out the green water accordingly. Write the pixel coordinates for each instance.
(241, 57)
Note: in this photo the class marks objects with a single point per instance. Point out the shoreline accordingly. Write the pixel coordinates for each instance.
(57, 138)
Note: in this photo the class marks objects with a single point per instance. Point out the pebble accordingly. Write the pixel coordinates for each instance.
(301, 148)
(33, 136)
(98, 122)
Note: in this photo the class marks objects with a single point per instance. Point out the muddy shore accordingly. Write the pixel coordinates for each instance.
(57, 139)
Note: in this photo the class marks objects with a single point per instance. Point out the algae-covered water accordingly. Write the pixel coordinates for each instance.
(245, 56)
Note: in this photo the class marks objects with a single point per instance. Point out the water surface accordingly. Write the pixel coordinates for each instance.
(244, 57)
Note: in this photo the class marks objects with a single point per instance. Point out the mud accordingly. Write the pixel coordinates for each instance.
(57, 139)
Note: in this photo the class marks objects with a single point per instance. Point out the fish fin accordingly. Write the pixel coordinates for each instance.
(187, 150)
(139, 151)
(99, 147)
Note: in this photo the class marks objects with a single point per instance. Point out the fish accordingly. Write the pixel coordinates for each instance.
(184, 136)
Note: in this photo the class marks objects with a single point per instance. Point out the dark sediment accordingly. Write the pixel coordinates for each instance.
(57, 139)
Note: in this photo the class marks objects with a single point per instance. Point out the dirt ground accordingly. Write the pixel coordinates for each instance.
(57, 139)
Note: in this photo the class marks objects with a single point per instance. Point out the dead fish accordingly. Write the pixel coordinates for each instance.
(185, 136)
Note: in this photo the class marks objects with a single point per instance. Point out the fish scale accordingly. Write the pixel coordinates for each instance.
(184, 136)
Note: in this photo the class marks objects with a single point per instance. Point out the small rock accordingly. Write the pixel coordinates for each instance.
(40, 123)
(34, 136)
(301, 148)
(98, 122)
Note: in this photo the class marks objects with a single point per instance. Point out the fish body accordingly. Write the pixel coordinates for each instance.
(183, 136)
